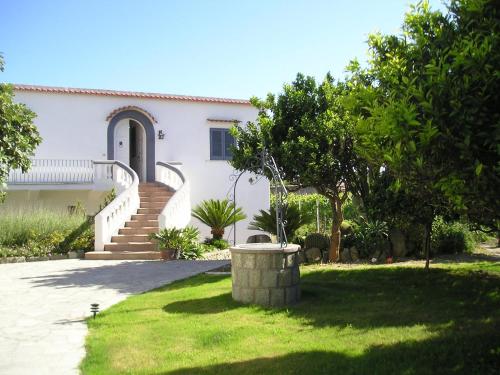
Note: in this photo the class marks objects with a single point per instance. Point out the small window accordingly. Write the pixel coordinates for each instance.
(220, 144)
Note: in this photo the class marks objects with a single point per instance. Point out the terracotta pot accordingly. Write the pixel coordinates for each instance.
(168, 254)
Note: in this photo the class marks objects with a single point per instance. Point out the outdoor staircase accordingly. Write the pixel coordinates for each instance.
(132, 241)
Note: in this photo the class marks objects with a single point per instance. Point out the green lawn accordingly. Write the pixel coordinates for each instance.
(362, 320)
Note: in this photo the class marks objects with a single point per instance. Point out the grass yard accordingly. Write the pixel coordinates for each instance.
(358, 320)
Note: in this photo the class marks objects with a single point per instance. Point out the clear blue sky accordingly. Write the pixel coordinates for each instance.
(233, 48)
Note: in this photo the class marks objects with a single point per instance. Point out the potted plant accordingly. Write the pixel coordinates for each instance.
(172, 241)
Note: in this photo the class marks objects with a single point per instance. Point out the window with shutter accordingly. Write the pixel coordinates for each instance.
(220, 144)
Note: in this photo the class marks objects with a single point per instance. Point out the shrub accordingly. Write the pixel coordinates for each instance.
(219, 244)
(37, 231)
(170, 238)
(294, 219)
(451, 238)
(301, 241)
(184, 241)
(194, 251)
(317, 240)
(351, 209)
(347, 227)
(480, 236)
(369, 237)
(308, 205)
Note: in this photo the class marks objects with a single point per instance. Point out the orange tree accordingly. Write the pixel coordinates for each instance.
(308, 131)
(430, 114)
(18, 136)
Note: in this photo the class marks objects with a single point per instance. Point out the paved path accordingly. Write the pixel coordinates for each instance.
(43, 306)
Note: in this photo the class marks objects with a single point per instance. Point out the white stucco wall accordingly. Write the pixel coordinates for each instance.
(74, 126)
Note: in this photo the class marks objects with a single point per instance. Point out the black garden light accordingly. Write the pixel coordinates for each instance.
(94, 308)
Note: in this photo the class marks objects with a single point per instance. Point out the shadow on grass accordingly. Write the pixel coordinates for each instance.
(465, 258)
(208, 305)
(192, 282)
(448, 354)
(378, 297)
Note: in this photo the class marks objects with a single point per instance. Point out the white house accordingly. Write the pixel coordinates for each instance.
(139, 143)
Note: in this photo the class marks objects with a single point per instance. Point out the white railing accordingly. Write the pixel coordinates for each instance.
(115, 214)
(177, 211)
(54, 172)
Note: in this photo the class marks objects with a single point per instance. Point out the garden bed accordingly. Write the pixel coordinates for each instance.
(35, 234)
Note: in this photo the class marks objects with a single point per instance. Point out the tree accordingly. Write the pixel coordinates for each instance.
(18, 135)
(310, 135)
(430, 115)
(218, 214)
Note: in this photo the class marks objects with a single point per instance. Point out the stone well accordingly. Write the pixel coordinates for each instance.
(265, 274)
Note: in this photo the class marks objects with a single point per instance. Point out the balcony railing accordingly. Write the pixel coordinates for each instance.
(54, 172)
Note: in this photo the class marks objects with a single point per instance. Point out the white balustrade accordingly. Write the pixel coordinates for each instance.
(177, 211)
(115, 214)
(53, 172)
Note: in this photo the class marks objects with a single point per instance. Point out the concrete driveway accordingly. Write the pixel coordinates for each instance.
(43, 306)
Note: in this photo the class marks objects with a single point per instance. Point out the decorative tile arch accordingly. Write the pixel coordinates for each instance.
(147, 123)
(132, 108)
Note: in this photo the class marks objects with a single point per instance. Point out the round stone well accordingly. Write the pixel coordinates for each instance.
(265, 274)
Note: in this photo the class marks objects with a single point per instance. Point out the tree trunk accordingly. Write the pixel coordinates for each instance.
(427, 249)
(338, 218)
(217, 233)
(334, 252)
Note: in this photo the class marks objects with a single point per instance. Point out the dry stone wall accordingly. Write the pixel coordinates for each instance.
(268, 276)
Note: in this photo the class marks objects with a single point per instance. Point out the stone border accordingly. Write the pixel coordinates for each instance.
(216, 255)
(70, 255)
(264, 248)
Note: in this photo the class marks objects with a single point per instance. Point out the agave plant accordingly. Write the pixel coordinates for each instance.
(294, 219)
(218, 214)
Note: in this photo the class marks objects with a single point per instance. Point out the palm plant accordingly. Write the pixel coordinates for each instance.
(294, 219)
(218, 214)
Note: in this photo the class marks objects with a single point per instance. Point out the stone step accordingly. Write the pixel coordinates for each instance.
(131, 246)
(160, 191)
(155, 211)
(141, 230)
(142, 223)
(118, 255)
(155, 197)
(148, 185)
(163, 200)
(157, 205)
(142, 217)
(125, 238)
(148, 189)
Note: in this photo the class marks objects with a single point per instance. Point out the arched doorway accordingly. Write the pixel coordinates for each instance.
(131, 139)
